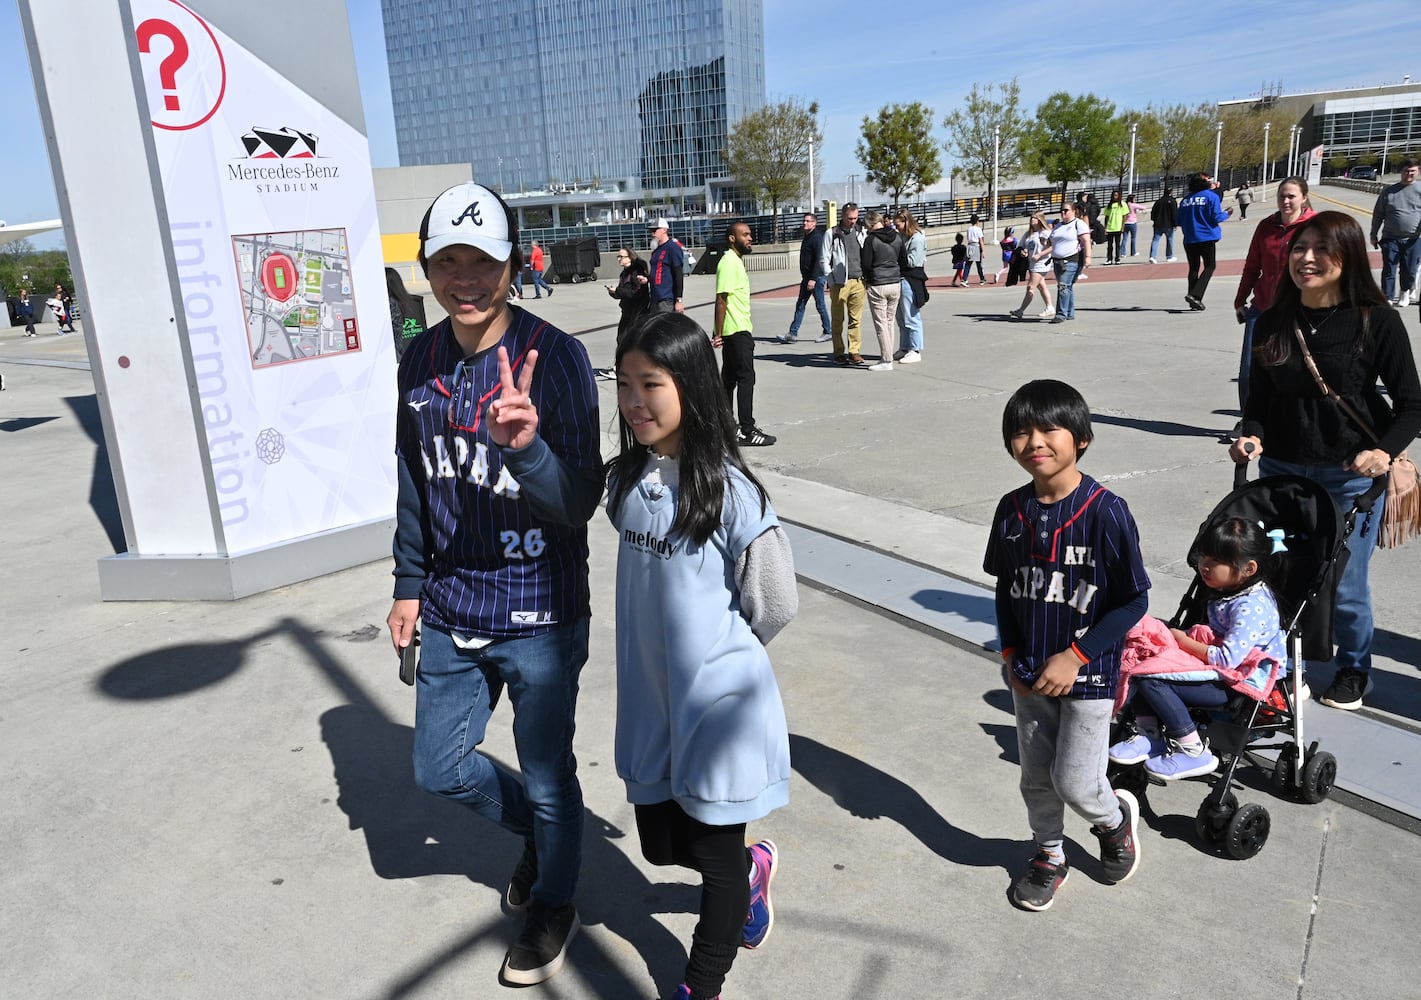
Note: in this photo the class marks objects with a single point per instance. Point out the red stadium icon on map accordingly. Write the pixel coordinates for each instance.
(279, 277)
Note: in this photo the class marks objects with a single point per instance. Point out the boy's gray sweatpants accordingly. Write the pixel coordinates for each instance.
(1063, 744)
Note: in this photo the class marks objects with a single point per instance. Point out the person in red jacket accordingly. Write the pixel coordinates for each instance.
(535, 261)
(1267, 265)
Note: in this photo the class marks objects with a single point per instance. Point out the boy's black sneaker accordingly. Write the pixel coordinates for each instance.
(539, 951)
(1346, 690)
(1119, 848)
(520, 886)
(756, 438)
(1035, 889)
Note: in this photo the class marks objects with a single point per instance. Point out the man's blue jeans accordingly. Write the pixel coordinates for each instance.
(455, 695)
(1403, 256)
(1066, 271)
(539, 285)
(1352, 617)
(819, 303)
(1168, 235)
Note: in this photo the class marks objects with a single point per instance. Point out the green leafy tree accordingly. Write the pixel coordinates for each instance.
(991, 120)
(1186, 140)
(768, 150)
(897, 150)
(1073, 138)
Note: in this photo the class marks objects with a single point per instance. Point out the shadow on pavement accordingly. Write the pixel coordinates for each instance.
(410, 834)
(867, 792)
(103, 498)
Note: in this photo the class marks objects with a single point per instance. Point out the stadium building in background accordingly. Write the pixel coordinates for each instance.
(556, 95)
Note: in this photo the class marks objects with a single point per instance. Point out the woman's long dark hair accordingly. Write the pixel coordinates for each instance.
(1343, 241)
(676, 343)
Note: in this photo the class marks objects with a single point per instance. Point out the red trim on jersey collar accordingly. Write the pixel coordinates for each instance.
(1056, 535)
(515, 367)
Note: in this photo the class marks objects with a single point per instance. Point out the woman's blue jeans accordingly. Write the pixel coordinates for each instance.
(910, 320)
(455, 695)
(1066, 271)
(1352, 616)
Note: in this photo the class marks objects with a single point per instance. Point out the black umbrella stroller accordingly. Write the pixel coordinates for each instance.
(1305, 584)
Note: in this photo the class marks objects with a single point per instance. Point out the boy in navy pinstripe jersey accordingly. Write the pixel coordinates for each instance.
(499, 471)
(1070, 585)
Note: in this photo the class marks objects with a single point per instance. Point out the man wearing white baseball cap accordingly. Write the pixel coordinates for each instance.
(668, 269)
(499, 464)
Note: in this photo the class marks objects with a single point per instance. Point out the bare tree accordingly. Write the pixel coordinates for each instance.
(991, 121)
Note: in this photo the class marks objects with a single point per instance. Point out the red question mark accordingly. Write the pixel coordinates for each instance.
(172, 62)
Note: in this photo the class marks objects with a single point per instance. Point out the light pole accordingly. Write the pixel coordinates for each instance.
(518, 165)
(1218, 141)
(852, 179)
(996, 152)
(500, 175)
(1293, 134)
(1386, 144)
(1133, 127)
(811, 172)
(1266, 127)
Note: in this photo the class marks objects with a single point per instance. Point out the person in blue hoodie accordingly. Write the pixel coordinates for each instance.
(1199, 215)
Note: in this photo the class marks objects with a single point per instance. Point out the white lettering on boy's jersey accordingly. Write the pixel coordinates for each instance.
(1078, 555)
(446, 466)
(1028, 582)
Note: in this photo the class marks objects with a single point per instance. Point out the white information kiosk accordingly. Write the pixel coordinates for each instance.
(215, 184)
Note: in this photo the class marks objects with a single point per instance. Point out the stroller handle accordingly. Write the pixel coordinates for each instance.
(1241, 468)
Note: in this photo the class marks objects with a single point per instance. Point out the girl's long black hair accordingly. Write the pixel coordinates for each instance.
(676, 343)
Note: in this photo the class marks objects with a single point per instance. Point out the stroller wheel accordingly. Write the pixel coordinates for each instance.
(1247, 832)
(1319, 773)
(1285, 770)
(1130, 778)
(1211, 823)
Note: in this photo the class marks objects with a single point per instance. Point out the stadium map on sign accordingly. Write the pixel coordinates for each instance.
(297, 293)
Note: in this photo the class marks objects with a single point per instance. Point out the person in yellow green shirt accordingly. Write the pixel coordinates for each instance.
(731, 335)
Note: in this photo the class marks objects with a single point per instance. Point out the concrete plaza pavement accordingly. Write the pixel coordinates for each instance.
(215, 800)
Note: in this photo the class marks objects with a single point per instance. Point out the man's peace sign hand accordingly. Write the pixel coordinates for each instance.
(512, 417)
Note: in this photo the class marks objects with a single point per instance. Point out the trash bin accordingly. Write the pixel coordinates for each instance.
(576, 260)
(708, 261)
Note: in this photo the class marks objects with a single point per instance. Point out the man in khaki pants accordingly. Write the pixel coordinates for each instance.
(841, 261)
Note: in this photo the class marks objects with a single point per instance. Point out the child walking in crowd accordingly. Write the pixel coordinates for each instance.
(1070, 584)
(1038, 265)
(705, 579)
(1247, 653)
(1008, 247)
(961, 267)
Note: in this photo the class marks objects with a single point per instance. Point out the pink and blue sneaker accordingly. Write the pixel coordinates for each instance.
(683, 992)
(765, 858)
(1180, 762)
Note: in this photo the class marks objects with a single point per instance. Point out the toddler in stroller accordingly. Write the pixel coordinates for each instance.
(1242, 649)
(1259, 705)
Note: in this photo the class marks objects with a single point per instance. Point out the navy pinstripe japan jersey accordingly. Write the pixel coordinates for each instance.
(495, 542)
(1067, 564)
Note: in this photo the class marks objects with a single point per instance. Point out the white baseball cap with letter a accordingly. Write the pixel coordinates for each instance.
(470, 214)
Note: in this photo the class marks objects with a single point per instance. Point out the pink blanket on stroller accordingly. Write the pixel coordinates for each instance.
(1150, 648)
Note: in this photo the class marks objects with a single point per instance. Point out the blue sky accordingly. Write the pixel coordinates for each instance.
(826, 50)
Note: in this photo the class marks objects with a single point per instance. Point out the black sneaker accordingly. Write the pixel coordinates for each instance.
(756, 438)
(1119, 850)
(539, 951)
(1346, 690)
(520, 886)
(1036, 888)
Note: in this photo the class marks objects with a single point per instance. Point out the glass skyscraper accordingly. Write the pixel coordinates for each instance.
(638, 93)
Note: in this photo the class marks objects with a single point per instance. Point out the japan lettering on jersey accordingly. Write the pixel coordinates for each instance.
(1065, 565)
(495, 568)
